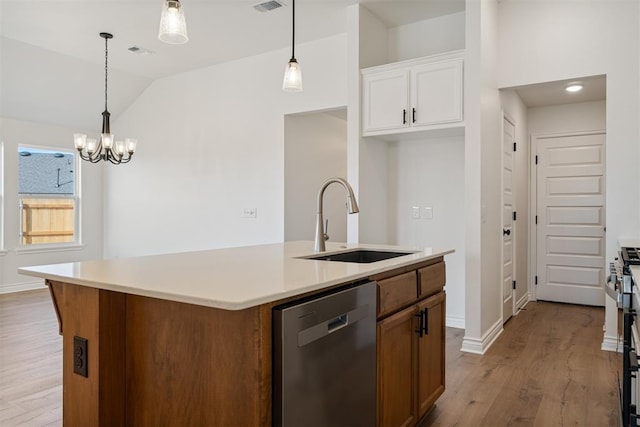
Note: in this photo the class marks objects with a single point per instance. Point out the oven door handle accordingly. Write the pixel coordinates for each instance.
(610, 288)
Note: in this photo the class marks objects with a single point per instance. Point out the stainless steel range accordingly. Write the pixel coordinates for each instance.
(621, 287)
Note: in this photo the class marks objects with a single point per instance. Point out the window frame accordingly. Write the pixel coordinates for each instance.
(76, 244)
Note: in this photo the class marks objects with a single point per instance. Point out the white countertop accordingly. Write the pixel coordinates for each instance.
(233, 278)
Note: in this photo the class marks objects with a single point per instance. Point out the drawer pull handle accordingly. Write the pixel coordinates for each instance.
(420, 330)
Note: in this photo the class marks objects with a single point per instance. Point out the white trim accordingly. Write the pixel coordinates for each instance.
(522, 302)
(43, 249)
(480, 346)
(455, 322)
(611, 344)
(21, 287)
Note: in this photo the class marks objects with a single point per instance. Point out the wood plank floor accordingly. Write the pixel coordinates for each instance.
(30, 361)
(546, 369)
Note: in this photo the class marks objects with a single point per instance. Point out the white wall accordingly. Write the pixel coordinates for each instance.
(315, 149)
(483, 236)
(430, 173)
(429, 37)
(210, 143)
(515, 109)
(12, 134)
(564, 40)
(583, 116)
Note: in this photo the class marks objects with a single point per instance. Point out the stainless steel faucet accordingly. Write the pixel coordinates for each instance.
(352, 207)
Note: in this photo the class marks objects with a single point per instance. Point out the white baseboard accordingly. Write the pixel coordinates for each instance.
(522, 302)
(455, 322)
(22, 286)
(610, 343)
(480, 346)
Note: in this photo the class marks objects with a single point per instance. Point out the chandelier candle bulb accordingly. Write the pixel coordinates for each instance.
(79, 140)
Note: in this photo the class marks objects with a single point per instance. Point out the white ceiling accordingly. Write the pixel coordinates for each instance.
(554, 93)
(219, 30)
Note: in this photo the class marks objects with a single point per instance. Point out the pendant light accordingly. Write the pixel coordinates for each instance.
(292, 81)
(173, 27)
(106, 149)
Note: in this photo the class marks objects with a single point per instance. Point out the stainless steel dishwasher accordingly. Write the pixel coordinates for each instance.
(325, 360)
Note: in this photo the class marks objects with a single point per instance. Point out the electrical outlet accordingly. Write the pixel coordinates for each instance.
(415, 212)
(249, 212)
(80, 356)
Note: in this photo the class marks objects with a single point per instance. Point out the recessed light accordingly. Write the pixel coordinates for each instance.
(574, 87)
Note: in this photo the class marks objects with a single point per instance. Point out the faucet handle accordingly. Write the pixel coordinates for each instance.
(326, 228)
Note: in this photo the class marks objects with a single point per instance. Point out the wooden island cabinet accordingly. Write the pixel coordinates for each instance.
(411, 344)
(200, 352)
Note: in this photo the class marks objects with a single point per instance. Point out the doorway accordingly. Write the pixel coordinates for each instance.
(315, 149)
(548, 110)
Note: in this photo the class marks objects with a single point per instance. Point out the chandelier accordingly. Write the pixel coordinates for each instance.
(106, 149)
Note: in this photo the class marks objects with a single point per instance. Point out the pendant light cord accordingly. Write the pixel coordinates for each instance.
(293, 29)
(106, 70)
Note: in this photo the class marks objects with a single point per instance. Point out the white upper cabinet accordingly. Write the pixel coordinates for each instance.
(415, 95)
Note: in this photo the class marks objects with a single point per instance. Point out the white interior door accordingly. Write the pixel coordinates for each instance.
(508, 230)
(571, 218)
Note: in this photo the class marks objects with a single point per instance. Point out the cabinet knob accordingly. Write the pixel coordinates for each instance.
(506, 232)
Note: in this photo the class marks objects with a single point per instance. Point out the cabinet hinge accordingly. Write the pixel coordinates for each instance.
(536, 159)
(514, 284)
(514, 146)
(514, 215)
(536, 280)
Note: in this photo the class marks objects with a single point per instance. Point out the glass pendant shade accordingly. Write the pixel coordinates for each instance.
(107, 140)
(79, 140)
(173, 27)
(292, 81)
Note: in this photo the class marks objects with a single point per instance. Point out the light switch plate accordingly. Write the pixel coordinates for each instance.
(415, 212)
(428, 212)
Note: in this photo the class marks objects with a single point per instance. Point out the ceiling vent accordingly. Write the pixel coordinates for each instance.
(268, 6)
(140, 50)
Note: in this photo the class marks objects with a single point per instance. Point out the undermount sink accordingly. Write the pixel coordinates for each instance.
(360, 256)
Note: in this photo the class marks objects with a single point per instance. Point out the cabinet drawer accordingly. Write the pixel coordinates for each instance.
(431, 279)
(396, 292)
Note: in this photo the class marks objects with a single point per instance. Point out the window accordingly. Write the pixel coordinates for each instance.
(47, 191)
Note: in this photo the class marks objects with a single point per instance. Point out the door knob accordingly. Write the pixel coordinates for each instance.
(506, 232)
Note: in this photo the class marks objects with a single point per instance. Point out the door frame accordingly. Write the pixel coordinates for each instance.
(533, 194)
(506, 116)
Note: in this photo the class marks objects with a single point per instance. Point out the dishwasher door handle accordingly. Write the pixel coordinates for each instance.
(322, 329)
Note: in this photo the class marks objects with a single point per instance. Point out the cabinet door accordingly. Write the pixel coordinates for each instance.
(431, 347)
(385, 98)
(396, 369)
(436, 93)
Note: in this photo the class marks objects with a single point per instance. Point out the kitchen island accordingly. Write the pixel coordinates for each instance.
(186, 339)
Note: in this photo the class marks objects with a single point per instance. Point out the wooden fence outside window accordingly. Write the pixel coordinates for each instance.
(47, 221)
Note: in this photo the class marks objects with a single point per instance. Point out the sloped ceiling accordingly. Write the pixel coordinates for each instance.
(52, 59)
